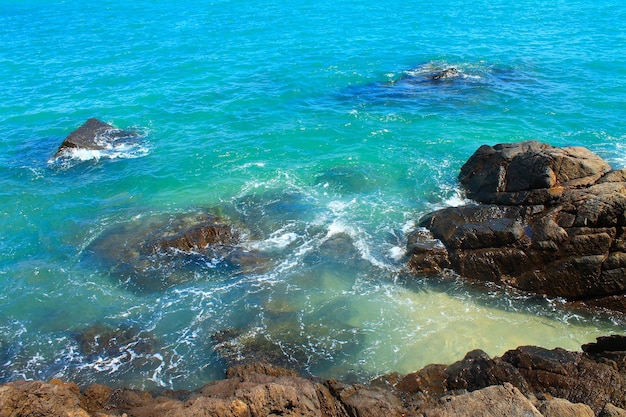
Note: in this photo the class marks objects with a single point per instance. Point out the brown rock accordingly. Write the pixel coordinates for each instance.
(494, 401)
(526, 166)
(431, 380)
(37, 398)
(360, 401)
(477, 370)
(570, 375)
(552, 221)
(558, 407)
(610, 410)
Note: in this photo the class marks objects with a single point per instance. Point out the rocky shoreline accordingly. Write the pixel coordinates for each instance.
(547, 221)
(527, 381)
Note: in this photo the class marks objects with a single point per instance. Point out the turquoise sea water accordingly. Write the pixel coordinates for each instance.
(312, 126)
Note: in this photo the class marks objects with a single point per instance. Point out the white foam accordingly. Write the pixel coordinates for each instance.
(397, 253)
(119, 148)
(277, 240)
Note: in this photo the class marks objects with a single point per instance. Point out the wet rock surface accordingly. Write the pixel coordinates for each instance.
(527, 381)
(93, 135)
(549, 221)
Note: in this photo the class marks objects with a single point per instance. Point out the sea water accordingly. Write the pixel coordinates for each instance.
(315, 128)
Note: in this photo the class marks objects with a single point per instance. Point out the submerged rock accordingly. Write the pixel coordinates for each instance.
(124, 341)
(157, 252)
(346, 179)
(237, 348)
(549, 220)
(93, 135)
(446, 73)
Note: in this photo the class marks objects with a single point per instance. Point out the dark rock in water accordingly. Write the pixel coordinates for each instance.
(528, 173)
(103, 340)
(237, 348)
(92, 135)
(446, 73)
(195, 238)
(551, 221)
(613, 343)
(157, 252)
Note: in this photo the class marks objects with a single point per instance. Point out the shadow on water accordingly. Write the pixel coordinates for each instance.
(348, 180)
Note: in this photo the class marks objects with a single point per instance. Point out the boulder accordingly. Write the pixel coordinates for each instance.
(92, 135)
(450, 72)
(558, 407)
(493, 401)
(549, 220)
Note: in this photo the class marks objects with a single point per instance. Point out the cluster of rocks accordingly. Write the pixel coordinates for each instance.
(548, 221)
(527, 381)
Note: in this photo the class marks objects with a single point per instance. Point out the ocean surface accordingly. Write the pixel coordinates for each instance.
(314, 128)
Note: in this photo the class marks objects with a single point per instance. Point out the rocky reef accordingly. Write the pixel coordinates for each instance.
(547, 221)
(527, 381)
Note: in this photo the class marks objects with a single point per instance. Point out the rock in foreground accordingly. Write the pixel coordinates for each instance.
(550, 221)
(527, 381)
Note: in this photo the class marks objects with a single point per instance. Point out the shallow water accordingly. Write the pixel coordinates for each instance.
(315, 129)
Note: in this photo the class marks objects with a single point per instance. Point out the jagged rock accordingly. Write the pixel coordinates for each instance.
(613, 343)
(92, 135)
(37, 398)
(477, 370)
(573, 376)
(570, 375)
(550, 221)
(556, 382)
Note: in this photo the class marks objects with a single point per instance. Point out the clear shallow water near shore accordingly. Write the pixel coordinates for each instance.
(315, 128)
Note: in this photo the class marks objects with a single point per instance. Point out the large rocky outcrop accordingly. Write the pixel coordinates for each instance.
(548, 220)
(527, 381)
